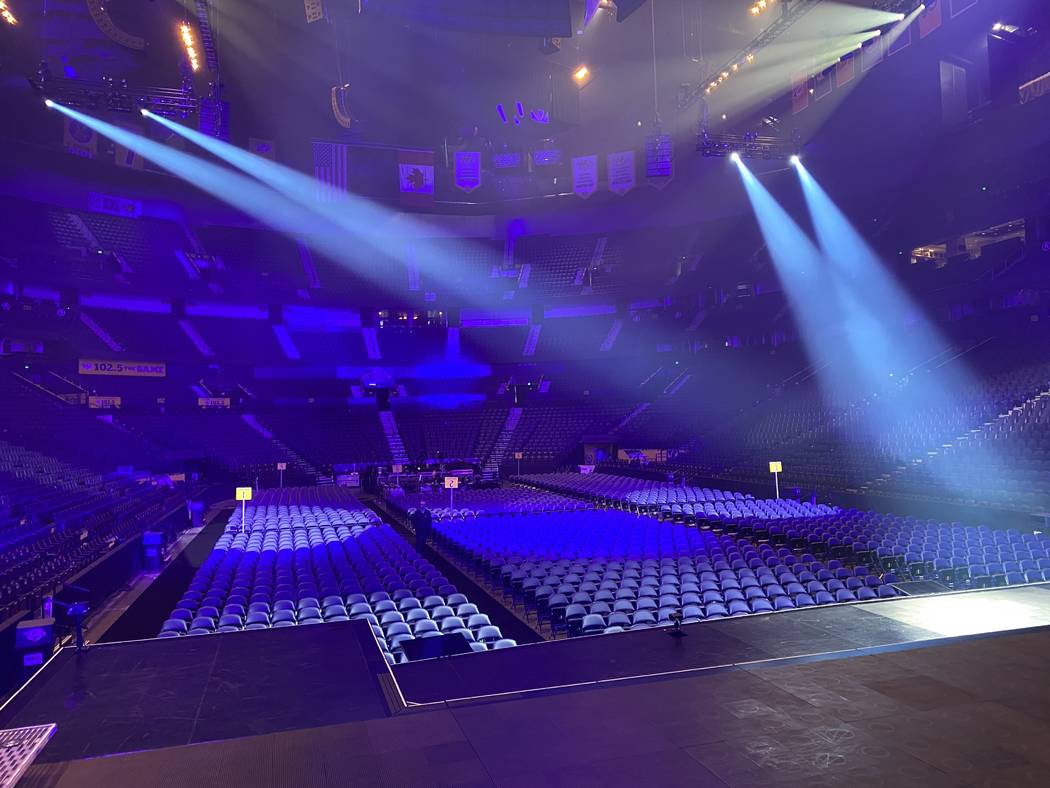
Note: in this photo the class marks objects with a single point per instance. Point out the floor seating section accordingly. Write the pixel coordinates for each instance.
(680, 502)
(314, 555)
(591, 572)
(472, 502)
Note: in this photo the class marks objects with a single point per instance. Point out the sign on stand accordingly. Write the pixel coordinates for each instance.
(281, 467)
(451, 483)
(244, 494)
(776, 468)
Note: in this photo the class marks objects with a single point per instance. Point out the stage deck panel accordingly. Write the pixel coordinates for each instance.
(123, 697)
(733, 641)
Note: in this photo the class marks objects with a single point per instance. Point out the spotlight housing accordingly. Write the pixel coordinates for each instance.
(49, 103)
(734, 157)
(581, 75)
(144, 112)
(795, 160)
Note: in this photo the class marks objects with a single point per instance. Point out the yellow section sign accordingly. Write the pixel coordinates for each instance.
(244, 493)
(776, 467)
(451, 482)
(127, 369)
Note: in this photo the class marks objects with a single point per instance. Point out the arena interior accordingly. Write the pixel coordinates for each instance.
(525, 393)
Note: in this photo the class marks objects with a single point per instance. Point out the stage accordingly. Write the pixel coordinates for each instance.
(145, 694)
(809, 633)
(916, 691)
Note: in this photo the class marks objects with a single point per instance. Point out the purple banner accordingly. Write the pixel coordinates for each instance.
(467, 170)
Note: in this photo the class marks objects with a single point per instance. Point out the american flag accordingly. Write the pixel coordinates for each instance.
(330, 170)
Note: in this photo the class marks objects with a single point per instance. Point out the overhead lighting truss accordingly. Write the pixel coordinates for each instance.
(748, 146)
(791, 12)
(115, 96)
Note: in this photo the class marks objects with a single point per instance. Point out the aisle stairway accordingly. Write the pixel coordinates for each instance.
(490, 471)
(393, 437)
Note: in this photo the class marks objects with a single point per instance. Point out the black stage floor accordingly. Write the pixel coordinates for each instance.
(140, 695)
(793, 634)
(973, 712)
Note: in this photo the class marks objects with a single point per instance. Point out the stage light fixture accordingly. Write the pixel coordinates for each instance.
(6, 14)
(144, 112)
(795, 160)
(49, 103)
(190, 45)
(581, 75)
(734, 157)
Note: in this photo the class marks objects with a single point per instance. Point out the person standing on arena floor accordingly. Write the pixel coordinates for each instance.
(422, 522)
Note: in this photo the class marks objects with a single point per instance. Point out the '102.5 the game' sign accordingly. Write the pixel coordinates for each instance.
(133, 369)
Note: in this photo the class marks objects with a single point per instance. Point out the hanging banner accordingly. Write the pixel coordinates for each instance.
(958, 6)
(467, 165)
(125, 157)
(822, 84)
(621, 172)
(871, 54)
(900, 42)
(584, 176)
(845, 70)
(930, 19)
(799, 93)
(261, 147)
(79, 140)
(659, 159)
(416, 177)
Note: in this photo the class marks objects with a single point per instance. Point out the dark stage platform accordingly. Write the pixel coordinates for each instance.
(973, 712)
(140, 695)
(811, 632)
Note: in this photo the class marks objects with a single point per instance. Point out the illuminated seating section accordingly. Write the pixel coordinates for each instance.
(472, 502)
(315, 555)
(590, 572)
(689, 503)
(604, 571)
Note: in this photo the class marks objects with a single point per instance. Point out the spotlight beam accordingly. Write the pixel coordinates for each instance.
(891, 342)
(359, 218)
(801, 269)
(244, 193)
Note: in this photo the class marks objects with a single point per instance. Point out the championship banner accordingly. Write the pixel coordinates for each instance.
(584, 175)
(165, 136)
(79, 140)
(871, 54)
(261, 147)
(930, 19)
(467, 165)
(845, 70)
(621, 172)
(315, 11)
(659, 159)
(213, 403)
(415, 171)
(900, 42)
(799, 93)
(104, 403)
(822, 84)
(125, 157)
(127, 369)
